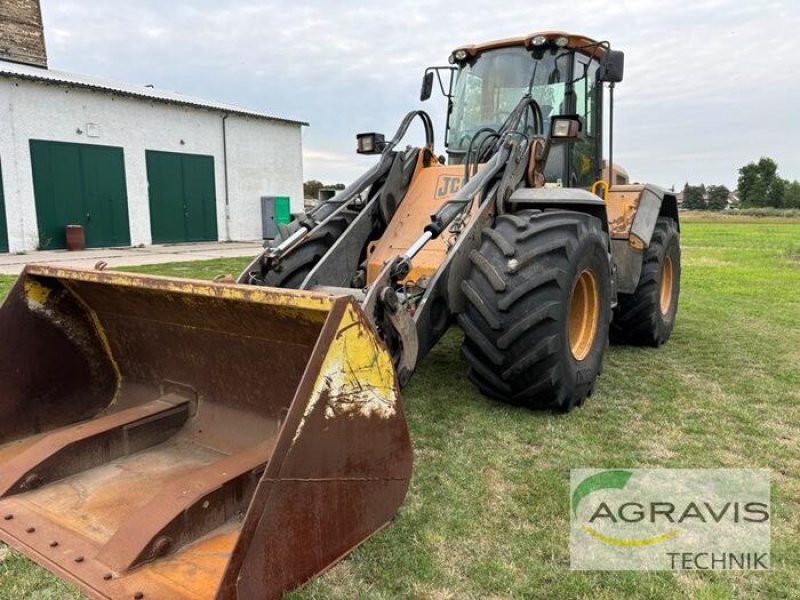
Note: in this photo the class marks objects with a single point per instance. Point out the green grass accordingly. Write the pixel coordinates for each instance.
(486, 515)
(6, 281)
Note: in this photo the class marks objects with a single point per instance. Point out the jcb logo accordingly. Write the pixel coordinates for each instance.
(447, 185)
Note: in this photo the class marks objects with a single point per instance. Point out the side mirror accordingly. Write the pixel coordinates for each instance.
(427, 86)
(565, 128)
(612, 67)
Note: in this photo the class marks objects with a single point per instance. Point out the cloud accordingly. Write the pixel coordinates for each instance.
(335, 167)
(709, 84)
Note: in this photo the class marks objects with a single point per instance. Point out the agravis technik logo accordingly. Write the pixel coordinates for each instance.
(613, 480)
(705, 519)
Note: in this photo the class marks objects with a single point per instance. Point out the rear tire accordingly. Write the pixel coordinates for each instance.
(646, 317)
(538, 306)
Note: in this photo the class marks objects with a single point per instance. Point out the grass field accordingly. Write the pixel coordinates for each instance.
(487, 512)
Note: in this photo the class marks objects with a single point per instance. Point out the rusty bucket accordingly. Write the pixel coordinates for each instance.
(169, 439)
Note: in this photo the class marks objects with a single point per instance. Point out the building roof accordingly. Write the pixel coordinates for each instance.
(20, 71)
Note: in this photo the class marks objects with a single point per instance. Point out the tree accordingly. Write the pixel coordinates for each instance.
(791, 195)
(717, 197)
(751, 189)
(693, 197)
(759, 184)
(311, 188)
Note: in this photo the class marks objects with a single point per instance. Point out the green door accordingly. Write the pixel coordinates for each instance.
(283, 210)
(105, 197)
(80, 184)
(183, 201)
(3, 228)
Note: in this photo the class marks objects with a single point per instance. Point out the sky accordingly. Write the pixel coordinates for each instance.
(709, 86)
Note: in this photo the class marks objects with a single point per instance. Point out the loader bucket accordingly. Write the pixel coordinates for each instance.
(169, 439)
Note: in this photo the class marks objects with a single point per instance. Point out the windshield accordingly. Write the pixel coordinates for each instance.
(489, 87)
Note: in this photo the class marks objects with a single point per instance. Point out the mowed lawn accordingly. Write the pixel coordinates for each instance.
(487, 512)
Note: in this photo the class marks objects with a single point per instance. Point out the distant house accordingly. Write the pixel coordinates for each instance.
(131, 164)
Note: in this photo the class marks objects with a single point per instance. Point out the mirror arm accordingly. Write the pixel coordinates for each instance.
(447, 93)
(611, 178)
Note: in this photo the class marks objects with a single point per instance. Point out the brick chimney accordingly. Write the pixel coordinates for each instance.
(21, 32)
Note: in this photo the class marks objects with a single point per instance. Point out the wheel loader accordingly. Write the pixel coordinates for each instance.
(166, 438)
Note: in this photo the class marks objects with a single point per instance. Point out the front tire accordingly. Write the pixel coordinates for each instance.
(538, 306)
(295, 267)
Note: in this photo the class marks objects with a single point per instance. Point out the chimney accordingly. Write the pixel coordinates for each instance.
(21, 32)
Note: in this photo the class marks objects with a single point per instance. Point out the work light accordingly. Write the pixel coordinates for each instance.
(370, 143)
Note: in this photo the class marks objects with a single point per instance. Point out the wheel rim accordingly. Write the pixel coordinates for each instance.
(584, 313)
(665, 294)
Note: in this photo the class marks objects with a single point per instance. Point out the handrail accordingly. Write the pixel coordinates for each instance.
(605, 185)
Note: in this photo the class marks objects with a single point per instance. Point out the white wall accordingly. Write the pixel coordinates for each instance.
(264, 157)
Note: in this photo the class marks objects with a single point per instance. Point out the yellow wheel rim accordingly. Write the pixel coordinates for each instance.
(665, 294)
(584, 313)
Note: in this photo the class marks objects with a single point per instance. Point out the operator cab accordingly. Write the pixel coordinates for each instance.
(563, 73)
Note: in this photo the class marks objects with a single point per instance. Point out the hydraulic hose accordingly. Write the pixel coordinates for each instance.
(330, 208)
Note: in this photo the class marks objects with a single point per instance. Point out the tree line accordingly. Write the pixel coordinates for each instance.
(700, 197)
(759, 186)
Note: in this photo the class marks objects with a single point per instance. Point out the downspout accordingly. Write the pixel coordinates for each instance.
(225, 174)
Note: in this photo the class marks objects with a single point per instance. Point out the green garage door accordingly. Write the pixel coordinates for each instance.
(183, 202)
(3, 228)
(80, 184)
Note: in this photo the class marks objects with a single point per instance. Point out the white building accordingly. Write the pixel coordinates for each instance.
(133, 165)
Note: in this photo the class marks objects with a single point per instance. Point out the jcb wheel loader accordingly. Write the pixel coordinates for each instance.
(164, 438)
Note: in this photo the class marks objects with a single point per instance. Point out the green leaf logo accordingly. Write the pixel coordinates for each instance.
(600, 481)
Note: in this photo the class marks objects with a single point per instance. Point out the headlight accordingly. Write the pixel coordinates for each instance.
(561, 128)
(565, 128)
(539, 40)
(562, 42)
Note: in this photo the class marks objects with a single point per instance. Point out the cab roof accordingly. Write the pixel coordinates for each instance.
(575, 41)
